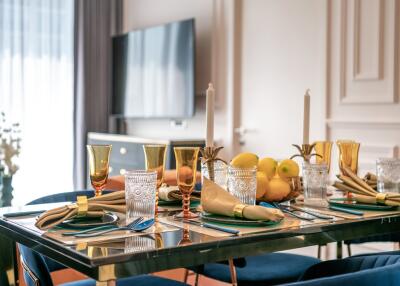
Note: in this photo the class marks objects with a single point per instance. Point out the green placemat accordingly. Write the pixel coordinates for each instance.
(350, 203)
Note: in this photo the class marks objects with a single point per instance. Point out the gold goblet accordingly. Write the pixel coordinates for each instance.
(99, 158)
(348, 155)
(155, 161)
(186, 166)
(323, 150)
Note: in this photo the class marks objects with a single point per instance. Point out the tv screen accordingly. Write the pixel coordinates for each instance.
(153, 72)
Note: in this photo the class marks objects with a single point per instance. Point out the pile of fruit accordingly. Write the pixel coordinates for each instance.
(273, 178)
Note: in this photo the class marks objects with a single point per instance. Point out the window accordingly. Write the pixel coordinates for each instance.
(36, 89)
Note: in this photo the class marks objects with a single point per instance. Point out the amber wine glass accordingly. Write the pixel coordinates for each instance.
(99, 158)
(186, 166)
(323, 150)
(348, 155)
(155, 161)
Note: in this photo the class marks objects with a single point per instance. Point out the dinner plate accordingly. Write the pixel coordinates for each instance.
(350, 203)
(235, 221)
(86, 222)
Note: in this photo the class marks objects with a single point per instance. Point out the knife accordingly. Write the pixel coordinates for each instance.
(346, 210)
(208, 225)
(23, 213)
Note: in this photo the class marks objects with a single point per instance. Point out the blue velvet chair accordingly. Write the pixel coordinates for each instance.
(266, 269)
(392, 237)
(37, 268)
(382, 270)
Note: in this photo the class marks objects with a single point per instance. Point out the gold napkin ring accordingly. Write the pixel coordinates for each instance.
(381, 198)
(238, 210)
(82, 205)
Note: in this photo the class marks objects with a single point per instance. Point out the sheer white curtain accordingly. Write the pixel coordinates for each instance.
(36, 89)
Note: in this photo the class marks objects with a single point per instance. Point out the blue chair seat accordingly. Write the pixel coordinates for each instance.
(382, 270)
(141, 280)
(266, 269)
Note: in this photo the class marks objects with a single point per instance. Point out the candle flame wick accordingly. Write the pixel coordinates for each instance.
(210, 86)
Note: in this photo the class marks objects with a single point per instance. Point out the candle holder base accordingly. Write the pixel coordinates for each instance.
(209, 155)
(305, 152)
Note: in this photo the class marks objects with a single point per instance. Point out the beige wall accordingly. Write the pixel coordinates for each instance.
(283, 54)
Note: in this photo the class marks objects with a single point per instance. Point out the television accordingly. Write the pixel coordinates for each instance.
(153, 72)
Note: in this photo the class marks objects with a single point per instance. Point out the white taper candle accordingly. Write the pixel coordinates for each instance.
(306, 119)
(210, 116)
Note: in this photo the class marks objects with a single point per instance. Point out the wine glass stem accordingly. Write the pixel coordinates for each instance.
(98, 192)
(186, 205)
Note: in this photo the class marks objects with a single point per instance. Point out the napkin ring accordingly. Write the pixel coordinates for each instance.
(82, 203)
(238, 210)
(381, 198)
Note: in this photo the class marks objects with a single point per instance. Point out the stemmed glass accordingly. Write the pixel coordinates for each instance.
(99, 158)
(348, 155)
(186, 166)
(323, 149)
(155, 161)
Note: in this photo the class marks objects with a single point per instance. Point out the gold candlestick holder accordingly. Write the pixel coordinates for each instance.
(305, 152)
(209, 155)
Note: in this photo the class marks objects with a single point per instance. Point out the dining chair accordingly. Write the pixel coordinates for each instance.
(265, 269)
(392, 237)
(37, 268)
(371, 270)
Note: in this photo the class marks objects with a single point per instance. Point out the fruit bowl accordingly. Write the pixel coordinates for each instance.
(296, 188)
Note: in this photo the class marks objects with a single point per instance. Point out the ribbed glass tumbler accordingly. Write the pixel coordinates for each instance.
(140, 194)
(242, 183)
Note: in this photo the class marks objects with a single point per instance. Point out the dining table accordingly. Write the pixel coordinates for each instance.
(172, 243)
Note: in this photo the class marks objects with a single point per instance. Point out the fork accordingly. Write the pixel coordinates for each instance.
(108, 228)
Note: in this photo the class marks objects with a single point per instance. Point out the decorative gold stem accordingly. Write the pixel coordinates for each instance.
(186, 205)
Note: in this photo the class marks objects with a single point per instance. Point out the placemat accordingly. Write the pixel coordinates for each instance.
(287, 223)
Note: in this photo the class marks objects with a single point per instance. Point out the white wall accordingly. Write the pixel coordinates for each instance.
(283, 55)
(145, 13)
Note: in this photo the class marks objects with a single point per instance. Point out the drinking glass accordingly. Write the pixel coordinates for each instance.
(186, 166)
(315, 182)
(348, 155)
(155, 161)
(388, 172)
(220, 172)
(242, 183)
(139, 243)
(99, 158)
(140, 194)
(323, 149)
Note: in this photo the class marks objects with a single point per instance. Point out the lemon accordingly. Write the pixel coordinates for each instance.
(268, 166)
(262, 184)
(278, 189)
(245, 160)
(288, 169)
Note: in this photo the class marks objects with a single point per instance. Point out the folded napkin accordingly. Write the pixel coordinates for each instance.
(362, 191)
(216, 200)
(93, 207)
(172, 193)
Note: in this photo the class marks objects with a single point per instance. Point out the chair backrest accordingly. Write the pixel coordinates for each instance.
(36, 265)
(382, 270)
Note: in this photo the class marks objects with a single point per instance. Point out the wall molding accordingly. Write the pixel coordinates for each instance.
(362, 124)
(351, 74)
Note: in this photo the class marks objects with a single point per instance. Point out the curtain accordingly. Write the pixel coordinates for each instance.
(95, 22)
(36, 89)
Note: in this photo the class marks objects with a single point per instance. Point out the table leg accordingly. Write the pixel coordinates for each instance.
(232, 268)
(339, 250)
(107, 283)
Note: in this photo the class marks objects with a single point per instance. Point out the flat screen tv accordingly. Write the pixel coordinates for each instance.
(153, 72)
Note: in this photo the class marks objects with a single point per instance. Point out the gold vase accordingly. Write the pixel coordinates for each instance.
(348, 155)
(323, 149)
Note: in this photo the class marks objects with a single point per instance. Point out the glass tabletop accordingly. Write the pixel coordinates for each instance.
(182, 245)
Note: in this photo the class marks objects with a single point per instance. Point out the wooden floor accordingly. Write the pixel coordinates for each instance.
(329, 252)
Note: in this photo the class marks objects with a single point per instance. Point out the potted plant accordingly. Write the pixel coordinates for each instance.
(10, 141)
